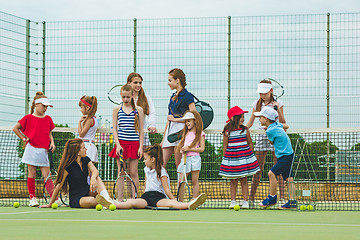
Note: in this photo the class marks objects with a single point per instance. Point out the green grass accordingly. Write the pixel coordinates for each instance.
(66, 223)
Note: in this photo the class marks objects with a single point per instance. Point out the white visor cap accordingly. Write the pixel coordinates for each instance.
(267, 112)
(44, 101)
(264, 88)
(188, 115)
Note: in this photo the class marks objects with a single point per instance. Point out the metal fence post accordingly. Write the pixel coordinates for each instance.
(43, 58)
(229, 61)
(27, 66)
(135, 35)
(328, 96)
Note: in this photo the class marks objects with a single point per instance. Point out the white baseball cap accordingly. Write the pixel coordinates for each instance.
(44, 101)
(267, 112)
(188, 115)
(264, 88)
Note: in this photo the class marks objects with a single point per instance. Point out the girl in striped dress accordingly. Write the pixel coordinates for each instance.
(239, 160)
(128, 122)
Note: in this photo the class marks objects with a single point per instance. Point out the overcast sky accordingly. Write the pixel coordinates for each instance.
(60, 10)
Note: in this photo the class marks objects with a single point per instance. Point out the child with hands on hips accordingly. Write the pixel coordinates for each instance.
(88, 125)
(35, 129)
(192, 144)
(239, 160)
(72, 178)
(128, 131)
(284, 154)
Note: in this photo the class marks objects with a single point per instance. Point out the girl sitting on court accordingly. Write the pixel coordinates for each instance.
(192, 144)
(34, 130)
(157, 187)
(128, 131)
(88, 125)
(239, 160)
(72, 177)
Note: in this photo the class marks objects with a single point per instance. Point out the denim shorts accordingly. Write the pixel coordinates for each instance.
(283, 166)
(193, 163)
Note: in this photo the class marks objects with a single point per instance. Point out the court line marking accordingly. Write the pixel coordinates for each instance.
(187, 222)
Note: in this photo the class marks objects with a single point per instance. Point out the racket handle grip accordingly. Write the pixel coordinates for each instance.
(275, 108)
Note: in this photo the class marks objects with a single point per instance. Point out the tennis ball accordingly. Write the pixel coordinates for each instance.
(99, 207)
(112, 207)
(267, 208)
(54, 205)
(236, 207)
(310, 207)
(16, 204)
(302, 208)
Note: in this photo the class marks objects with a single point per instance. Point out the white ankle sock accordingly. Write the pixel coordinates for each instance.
(105, 194)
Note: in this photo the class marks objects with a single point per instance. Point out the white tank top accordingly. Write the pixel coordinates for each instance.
(90, 135)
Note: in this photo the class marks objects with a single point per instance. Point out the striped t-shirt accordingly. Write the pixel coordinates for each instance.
(126, 126)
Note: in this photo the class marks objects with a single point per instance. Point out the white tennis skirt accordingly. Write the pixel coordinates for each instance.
(174, 127)
(91, 152)
(35, 156)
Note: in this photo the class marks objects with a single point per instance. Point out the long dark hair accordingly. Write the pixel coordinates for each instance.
(70, 154)
(128, 88)
(233, 124)
(142, 100)
(156, 152)
(177, 73)
(198, 129)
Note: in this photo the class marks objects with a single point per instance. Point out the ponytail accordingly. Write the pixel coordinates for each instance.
(92, 101)
(156, 152)
(177, 73)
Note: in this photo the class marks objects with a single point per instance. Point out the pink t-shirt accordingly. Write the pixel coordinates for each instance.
(189, 138)
(37, 130)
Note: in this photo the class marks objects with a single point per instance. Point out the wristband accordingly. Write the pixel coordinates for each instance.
(24, 139)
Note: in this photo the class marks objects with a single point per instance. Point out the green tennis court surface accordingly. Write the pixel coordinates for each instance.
(66, 223)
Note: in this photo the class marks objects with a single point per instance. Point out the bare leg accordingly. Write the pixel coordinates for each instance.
(260, 156)
(291, 188)
(172, 204)
(177, 156)
(49, 185)
(195, 183)
(167, 152)
(273, 183)
(281, 181)
(133, 172)
(244, 188)
(120, 183)
(131, 203)
(233, 188)
(31, 171)
(88, 202)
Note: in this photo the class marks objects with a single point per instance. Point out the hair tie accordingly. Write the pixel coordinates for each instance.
(85, 102)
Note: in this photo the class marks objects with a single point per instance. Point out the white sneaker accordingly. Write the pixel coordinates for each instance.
(33, 202)
(195, 203)
(58, 202)
(281, 202)
(232, 204)
(103, 201)
(245, 204)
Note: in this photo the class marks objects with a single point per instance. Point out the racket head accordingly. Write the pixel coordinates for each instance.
(278, 89)
(114, 94)
(183, 193)
(64, 198)
(124, 188)
(51, 179)
(206, 112)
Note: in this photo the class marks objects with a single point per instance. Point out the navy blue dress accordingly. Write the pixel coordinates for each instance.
(77, 179)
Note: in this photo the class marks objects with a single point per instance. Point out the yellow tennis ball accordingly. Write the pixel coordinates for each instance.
(54, 205)
(267, 208)
(16, 204)
(99, 207)
(236, 207)
(302, 208)
(310, 207)
(112, 207)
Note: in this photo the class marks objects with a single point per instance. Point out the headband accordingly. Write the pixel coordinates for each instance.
(85, 102)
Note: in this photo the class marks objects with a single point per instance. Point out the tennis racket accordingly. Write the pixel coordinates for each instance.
(183, 194)
(161, 208)
(124, 187)
(278, 89)
(50, 182)
(114, 94)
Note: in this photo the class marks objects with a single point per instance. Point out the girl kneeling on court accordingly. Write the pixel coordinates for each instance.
(157, 187)
(72, 176)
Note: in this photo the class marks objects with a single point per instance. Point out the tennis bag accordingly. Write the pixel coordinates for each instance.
(207, 115)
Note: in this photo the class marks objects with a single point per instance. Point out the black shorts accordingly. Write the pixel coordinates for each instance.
(152, 197)
(283, 166)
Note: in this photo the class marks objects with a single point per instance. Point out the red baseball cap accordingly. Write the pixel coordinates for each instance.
(234, 111)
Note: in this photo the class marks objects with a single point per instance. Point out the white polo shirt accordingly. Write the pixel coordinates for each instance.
(152, 181)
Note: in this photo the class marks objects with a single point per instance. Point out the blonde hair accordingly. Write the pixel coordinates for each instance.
(70, 154)
(142, 100)
(198, 130)
(37, 96)
(92, 111)
(156, 152)
(128, 88)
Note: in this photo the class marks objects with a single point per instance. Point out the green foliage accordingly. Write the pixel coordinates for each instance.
(356, 147)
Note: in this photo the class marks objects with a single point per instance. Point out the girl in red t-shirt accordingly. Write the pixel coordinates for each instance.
(35, 129)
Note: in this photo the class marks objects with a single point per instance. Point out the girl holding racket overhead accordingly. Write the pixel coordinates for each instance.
(88, 125)
(128, 131)
(262, 145)
(180, 102)
(34, 130)
(145, 102)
